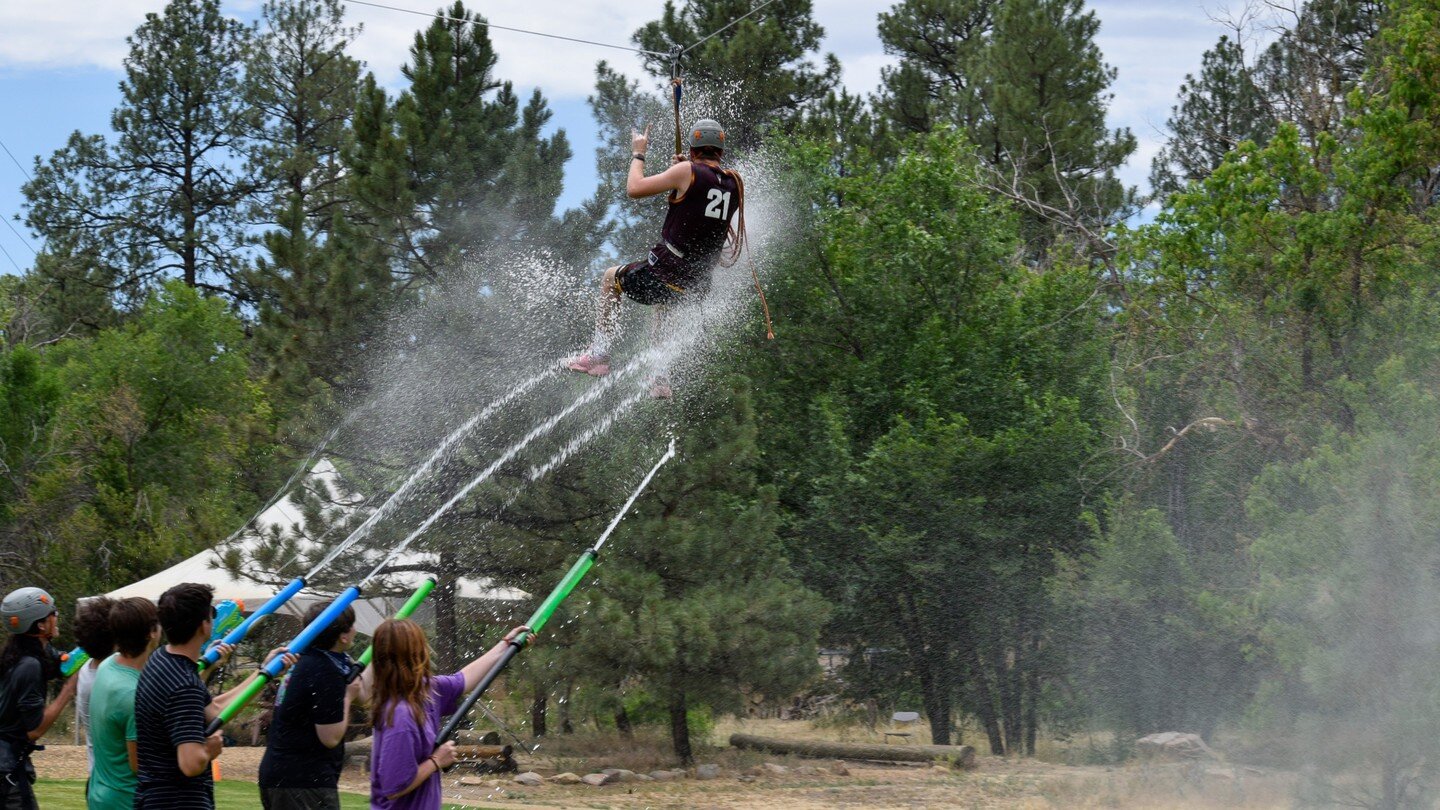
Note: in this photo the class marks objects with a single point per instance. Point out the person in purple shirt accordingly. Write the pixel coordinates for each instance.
(408, 701)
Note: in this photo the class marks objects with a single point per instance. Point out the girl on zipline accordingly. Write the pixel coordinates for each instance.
(706, 218)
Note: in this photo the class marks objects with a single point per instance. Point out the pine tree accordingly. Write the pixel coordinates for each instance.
(1306, 74)
(1215, 112)
(1045, 88)
(755, 75)
(162, 200)
(698, 600)
(1026, 82)
(939, 43)
(319, 285)
(462, 170)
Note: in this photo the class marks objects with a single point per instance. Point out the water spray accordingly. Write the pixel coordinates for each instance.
(542, 614)
(237, 635)
(404, 612)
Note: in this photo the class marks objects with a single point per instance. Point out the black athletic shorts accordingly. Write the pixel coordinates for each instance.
(300, 798)
(644, 282)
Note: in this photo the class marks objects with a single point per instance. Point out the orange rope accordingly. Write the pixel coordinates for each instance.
(755, 274)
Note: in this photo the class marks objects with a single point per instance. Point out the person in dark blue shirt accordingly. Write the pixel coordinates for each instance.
(305, 749)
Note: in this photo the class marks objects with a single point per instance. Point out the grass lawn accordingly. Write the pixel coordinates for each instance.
(69, 794)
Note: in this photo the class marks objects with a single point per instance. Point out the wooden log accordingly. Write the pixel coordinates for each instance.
(960, 755)
(470, 752)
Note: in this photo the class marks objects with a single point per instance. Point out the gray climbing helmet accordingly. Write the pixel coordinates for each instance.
(24, 607)
(707, 132)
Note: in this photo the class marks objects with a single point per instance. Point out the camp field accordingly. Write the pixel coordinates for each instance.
(1059, 777)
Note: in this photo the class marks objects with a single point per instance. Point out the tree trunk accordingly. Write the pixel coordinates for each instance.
(1032, 704)
(446, 625)
(680, 728)
(1008, 676)
(622, 722)
(566, 727)
(985, 709)
(937, 707)
(962, 755)
(537, 712)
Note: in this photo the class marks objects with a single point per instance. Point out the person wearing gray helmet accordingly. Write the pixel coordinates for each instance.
(27, 664)
(705, 219)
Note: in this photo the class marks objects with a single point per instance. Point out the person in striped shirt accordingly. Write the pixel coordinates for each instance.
(173, 707)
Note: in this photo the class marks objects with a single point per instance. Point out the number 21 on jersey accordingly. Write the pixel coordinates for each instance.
(719, 205)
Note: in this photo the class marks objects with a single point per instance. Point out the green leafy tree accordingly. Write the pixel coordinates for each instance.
(163, 198)
(1146, 640)
(151, 444)
(1347, 564)
(936, 425)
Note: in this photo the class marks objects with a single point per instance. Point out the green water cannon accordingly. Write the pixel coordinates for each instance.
(404, 612)
(547, 608)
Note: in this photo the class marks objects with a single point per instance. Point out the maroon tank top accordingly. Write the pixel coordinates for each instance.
(697, 220)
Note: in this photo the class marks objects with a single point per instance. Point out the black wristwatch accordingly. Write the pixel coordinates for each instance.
(637, 156)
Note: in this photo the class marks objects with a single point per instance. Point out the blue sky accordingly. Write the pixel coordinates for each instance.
(60, 67)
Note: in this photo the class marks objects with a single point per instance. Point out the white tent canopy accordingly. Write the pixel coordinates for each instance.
(207, 567)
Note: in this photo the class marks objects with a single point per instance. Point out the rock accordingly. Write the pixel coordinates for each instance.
(596, 779)
(807, 770)
(1173, 745)
(472, 781)
(666, 776)
(529, 779)
(754, 770)
(644, 777)
(707, 771)
(747, 778)
(1220, 773)
(566, 778)
(775, 770)
(838, 768)
(619, 774)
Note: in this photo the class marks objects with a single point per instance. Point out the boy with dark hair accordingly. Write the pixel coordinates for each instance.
(135, 626)
(92, 633)
(172, 707)
(305, 751)
(27, 664)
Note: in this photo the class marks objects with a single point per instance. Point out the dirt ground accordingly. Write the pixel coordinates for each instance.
(810, 784)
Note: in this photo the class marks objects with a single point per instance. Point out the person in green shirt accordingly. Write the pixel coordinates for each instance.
(136, 627)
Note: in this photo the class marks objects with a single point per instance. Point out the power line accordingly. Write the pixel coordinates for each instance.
(22, 239)
(16, 162)
(12, 259)
(506, 28)
(727, 26)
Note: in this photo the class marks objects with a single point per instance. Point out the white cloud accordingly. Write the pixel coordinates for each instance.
(62, 35)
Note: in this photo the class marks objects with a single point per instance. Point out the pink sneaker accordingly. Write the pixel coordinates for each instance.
(660, 387)
(596, 364)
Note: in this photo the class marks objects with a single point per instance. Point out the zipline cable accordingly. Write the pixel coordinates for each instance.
(488, 24)
(726, 27)
(17, 163)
